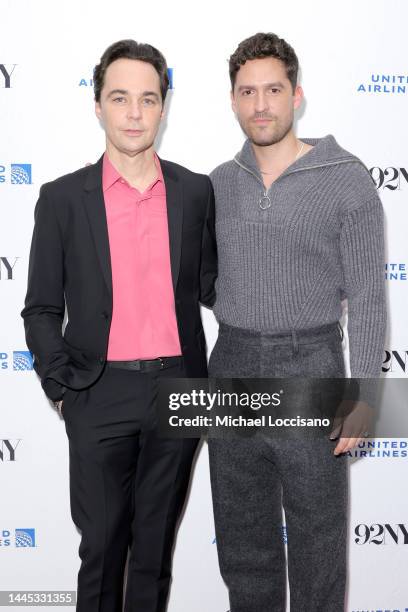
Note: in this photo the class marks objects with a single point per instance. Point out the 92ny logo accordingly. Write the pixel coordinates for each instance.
(389, 178)
(395, 361)
(381, 534)
(8, 449)
(6, 268)
(6, 70)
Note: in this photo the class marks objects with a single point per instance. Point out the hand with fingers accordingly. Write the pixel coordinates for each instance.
(58, 407)
(351, 425)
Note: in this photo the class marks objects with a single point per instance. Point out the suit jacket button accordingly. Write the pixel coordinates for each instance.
(184, 347)
(101, 360)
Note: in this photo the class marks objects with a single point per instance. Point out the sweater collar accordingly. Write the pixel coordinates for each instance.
(325, 151)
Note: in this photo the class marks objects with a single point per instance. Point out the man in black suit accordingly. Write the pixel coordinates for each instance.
(127, 246)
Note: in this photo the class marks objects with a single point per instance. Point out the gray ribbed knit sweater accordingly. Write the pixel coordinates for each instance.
(322, 240)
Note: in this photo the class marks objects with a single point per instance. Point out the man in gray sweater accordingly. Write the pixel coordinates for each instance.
(299, 228)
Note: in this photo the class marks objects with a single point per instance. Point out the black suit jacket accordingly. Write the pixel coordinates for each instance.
(70, 265)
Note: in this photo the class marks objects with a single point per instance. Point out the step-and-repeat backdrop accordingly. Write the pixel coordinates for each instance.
(355, 76)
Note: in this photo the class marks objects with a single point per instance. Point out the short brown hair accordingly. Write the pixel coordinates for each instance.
(130, 49)
(263, 45)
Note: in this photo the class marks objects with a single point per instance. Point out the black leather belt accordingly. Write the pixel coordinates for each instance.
(146, 365)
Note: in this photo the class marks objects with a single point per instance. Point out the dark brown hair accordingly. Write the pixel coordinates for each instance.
(130, 49)
(263, 45)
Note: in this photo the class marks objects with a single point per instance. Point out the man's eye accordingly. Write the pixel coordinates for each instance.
(274, 90)
(247, 92)
(119, 99)
(148, 101)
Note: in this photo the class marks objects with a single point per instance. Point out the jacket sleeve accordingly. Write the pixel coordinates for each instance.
(363, 258)
(44, 309)
(208, 268)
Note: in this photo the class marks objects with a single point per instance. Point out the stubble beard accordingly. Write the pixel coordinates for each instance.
(265, 138)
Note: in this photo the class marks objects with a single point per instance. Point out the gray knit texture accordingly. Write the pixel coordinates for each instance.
(322, 240)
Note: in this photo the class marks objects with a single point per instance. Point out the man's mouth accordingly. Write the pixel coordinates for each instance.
(132, 132)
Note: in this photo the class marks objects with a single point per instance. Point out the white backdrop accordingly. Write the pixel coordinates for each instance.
(355, 75)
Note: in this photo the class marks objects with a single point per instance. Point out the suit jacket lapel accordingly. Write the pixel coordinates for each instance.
(95, 209)
(174, 201)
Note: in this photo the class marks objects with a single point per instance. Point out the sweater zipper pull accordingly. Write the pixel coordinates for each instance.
(265, 201)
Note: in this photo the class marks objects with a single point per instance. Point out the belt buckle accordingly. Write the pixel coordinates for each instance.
(161, 363)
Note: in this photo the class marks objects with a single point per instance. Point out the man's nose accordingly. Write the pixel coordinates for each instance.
(134, 110)
(261, 103)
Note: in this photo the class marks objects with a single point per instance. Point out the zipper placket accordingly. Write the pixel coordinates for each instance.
(265, 190)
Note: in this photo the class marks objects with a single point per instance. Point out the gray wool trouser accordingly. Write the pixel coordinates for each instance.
(253, 477)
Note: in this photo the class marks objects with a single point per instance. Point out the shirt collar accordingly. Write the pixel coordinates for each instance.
(110, 175)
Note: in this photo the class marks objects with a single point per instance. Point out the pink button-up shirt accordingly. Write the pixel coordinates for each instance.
(144, 324)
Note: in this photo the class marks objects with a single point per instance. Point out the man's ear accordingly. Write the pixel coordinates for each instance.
(233, 105)
(298, 96)
(98, 110)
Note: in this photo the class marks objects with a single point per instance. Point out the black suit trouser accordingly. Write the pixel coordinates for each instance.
(127, 487)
